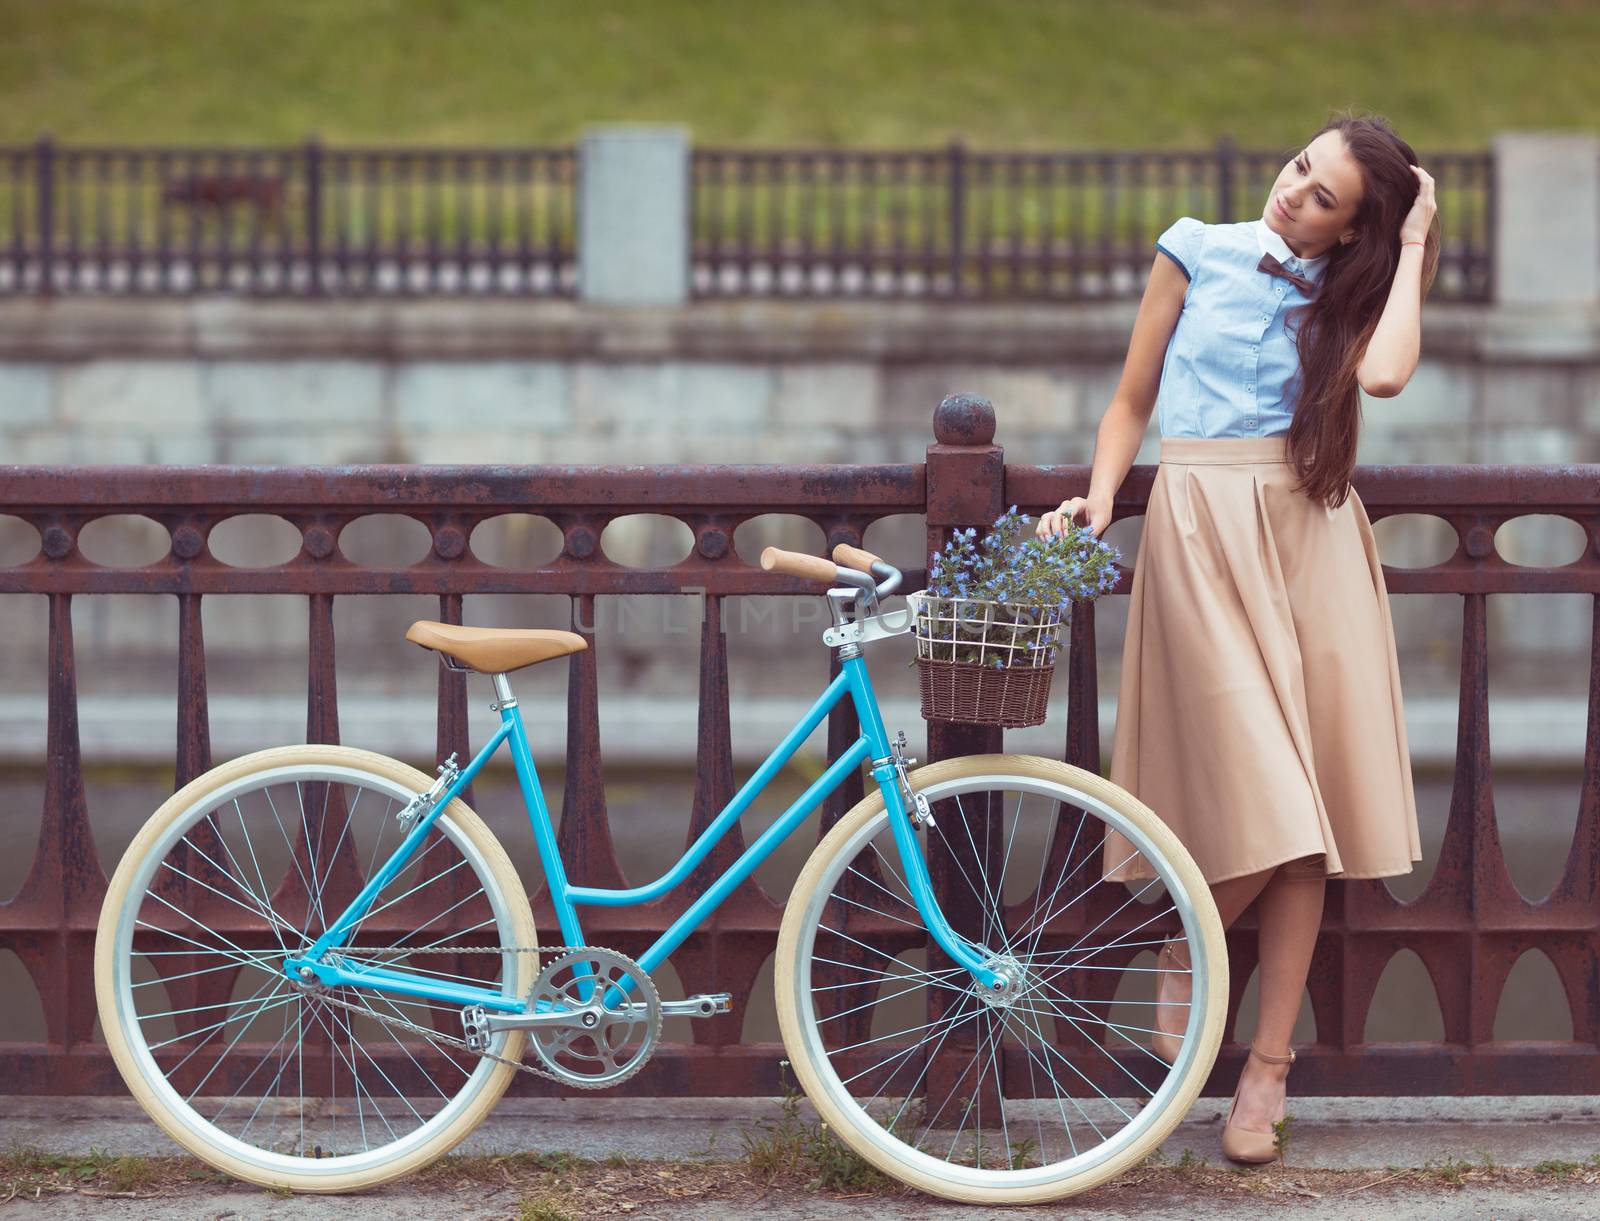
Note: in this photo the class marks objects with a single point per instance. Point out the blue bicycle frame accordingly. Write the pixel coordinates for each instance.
(872, 745)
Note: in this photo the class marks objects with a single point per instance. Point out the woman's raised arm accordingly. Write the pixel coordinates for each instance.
(1128, 415)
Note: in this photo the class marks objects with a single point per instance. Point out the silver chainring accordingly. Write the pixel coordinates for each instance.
(439, 1039)
(622, 1016)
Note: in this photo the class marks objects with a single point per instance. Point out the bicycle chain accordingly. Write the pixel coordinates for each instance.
(548, 951)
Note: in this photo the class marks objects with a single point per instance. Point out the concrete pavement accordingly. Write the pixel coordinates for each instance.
(1327, 1133)
(1340, 1149)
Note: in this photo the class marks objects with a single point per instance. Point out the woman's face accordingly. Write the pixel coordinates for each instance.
(1315, 197)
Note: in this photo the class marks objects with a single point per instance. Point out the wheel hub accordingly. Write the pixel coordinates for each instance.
(1017, 983)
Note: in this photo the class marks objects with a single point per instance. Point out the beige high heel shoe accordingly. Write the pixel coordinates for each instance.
(1168, 1045)
(1246, 1144)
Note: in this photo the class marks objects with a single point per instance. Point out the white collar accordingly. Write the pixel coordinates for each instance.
(1272, 243)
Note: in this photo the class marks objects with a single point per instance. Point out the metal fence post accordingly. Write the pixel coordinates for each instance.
(313, 155)
(1226, 158)
(958, 214)
(965, 487)
(45, 171)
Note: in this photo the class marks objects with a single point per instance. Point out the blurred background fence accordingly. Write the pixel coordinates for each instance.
(291, 221)
(938, 223)
(952, 222)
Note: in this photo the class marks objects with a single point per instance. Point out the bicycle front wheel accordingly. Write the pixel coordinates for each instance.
(1052, 1089)
(309, 1088)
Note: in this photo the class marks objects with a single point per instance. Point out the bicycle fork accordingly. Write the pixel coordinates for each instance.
(889, 771)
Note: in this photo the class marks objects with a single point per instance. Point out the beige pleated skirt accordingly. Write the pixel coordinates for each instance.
(1259, 711)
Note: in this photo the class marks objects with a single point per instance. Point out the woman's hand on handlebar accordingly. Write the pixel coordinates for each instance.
(1093, 510)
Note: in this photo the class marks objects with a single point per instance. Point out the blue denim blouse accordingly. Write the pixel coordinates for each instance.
(1231, 369)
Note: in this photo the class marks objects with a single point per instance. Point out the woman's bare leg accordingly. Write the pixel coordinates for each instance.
(1290, 912)
(1236, 894)
(1231, 898)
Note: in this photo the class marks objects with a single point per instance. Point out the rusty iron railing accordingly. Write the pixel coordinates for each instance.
(1469, 926)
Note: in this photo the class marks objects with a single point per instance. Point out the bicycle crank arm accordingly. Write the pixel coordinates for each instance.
(475, 1019)
(707, 1004)
(480, 1025)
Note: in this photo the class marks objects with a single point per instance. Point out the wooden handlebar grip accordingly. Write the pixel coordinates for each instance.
(854, 557)
(814, 567)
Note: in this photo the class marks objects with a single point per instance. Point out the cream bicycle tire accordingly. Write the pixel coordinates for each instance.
(866, 1135)
(167, 826)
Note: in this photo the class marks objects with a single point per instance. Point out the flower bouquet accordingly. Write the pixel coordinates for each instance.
(988, 626)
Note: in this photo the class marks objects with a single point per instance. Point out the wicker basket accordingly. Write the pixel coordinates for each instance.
(983, 662)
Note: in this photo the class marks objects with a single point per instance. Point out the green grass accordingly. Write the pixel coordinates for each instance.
(1281, 1135)
(791, 1146)
(1562, 1169)
(540, 1208)
(24, 1168)
(1024, 74)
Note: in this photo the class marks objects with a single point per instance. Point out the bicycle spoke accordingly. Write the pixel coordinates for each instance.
(985, 900)
(927, 976)
(1115, 1027)
(907, 991)
(871, 949)
(275, 983)
(950, 1021)
(1044, 859)
(277, 1081)
(1038, 1032)
(876, 912)
(927, 1063)
(272, 1001)
(414, 863)
(263, 901)
(873, 882)
(273, 921)
(1038, 933)
(244, 828)
(1116, 945)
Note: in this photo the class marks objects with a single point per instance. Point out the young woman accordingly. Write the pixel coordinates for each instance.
(1260, 710)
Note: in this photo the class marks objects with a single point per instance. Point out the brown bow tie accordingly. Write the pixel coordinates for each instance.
(1272, 267)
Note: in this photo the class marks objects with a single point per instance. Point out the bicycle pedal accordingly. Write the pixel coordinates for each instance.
(475, 1027)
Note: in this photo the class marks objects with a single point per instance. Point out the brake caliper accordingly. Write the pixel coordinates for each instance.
(422, 803)
(921, 812)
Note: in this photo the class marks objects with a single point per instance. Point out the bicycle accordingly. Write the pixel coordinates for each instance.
(953, 1023)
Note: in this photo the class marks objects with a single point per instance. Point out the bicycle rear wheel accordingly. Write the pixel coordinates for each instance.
(1053, 1089)
(269, 1081)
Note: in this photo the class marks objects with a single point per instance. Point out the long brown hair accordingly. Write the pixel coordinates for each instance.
(1334, 328)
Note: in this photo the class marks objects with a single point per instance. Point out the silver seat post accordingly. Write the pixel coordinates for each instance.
(502, 693)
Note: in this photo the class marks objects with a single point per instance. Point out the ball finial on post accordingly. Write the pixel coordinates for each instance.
(964, 419)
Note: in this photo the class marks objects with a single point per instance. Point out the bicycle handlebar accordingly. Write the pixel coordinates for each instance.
(855, 557)
(850, 565)
(813, 567)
